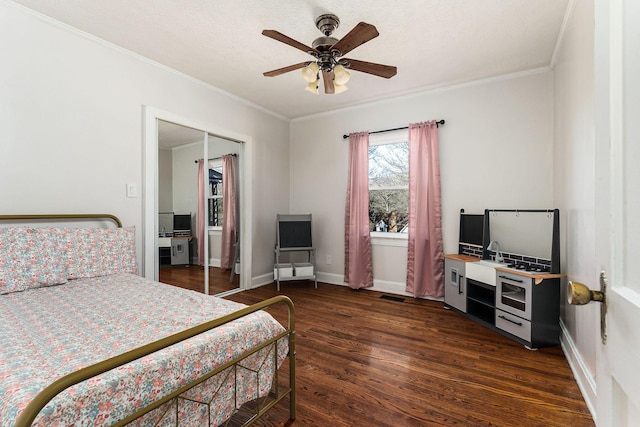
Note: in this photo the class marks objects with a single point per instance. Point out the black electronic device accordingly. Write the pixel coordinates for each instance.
(182, 224)
(471, 226)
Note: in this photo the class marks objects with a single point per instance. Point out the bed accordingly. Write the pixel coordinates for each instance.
(86, 341)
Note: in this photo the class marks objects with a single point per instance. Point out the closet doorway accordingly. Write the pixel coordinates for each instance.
(179, 250)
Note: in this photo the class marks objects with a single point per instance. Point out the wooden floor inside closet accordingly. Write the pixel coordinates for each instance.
(364, 360)
(192, 277)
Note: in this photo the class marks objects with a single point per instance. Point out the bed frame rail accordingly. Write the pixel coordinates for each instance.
(63, 217)
(28, 415)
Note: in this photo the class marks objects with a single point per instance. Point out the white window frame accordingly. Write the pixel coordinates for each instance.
(214, 163)
(380, 238)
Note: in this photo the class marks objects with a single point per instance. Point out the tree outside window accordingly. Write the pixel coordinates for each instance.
(389, 187)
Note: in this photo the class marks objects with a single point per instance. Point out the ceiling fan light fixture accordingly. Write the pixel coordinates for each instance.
(313, 87)
(328, 53)
(310, 72)
(341, 75)
(340, 88)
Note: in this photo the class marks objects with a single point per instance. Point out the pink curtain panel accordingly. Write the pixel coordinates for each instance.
(425, 269)
(358, 268)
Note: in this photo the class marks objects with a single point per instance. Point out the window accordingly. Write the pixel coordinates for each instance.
(389, 183)
(215, 193)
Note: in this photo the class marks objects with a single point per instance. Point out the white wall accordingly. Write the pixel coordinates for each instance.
(574, 187)
(185, 177)
(71, 112)
(496, 151)
(165, 180)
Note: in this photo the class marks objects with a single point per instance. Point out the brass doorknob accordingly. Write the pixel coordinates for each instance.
(579, 294)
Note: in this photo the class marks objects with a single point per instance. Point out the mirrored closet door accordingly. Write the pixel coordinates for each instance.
(224, 167)
(198, 209)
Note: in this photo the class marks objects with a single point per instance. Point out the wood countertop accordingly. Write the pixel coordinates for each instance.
(463, 258)
(538, 277)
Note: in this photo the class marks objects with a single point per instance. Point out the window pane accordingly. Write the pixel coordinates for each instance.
(215, 193)
(389, 210)
(215, 181)
(215, 212)
(389, 165)
(388, 204)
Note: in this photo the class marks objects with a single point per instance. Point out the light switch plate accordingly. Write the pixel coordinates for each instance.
(132, 190)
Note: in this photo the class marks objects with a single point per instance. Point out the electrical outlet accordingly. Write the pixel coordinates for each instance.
(329, 259)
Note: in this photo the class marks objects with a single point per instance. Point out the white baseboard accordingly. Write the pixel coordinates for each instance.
(331, 278)
(268, 278)
(261, 280)
(586, 381)
(396, 288)
(385, 286)
(388, 287)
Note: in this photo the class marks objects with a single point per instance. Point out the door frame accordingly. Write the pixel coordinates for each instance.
(151, 115)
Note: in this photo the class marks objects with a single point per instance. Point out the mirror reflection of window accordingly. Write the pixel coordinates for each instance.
(215, 194)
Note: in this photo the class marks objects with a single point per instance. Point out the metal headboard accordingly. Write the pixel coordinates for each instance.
(45, 217)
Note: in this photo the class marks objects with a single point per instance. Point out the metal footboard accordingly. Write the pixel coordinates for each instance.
(29, 414)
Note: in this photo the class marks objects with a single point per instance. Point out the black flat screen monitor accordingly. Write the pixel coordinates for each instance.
(471, 226)
(182, 222)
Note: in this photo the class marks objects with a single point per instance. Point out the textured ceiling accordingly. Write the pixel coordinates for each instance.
(433, 43)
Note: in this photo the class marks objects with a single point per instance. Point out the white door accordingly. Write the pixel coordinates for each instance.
(617, 133)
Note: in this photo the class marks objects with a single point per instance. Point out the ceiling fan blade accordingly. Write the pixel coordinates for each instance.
(329, 87)
(386, 71)
(283, 70)
(276, 35)
(360, 34)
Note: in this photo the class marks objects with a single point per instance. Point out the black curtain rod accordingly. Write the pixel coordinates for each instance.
(522, 210)
(216, 158)
(438, 124)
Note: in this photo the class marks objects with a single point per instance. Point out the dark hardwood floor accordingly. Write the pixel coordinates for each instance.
(367, 361)
(192, 277)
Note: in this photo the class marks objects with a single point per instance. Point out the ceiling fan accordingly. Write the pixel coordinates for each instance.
(328, 52)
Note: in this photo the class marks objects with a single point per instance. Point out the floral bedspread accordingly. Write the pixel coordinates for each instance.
(49, 332)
